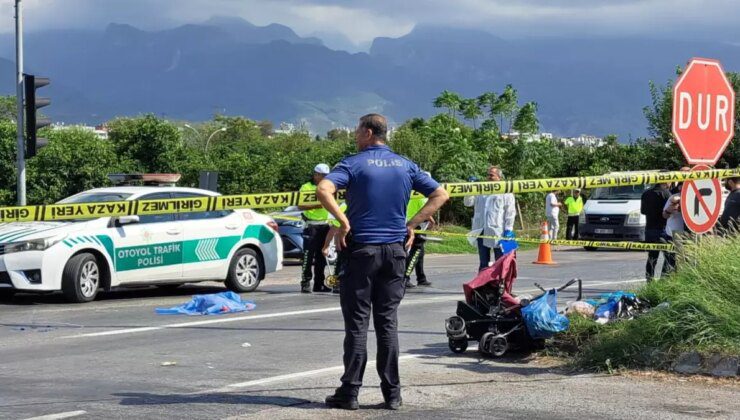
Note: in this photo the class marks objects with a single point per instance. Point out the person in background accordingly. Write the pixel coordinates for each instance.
(574, 204)
(731, 214)
(652, 203)
(375, 233)
(314, 236)
(415, 259)
(552, 211)
(493, 215)
(674, 226)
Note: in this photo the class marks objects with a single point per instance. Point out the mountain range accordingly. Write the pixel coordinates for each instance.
(227, 65)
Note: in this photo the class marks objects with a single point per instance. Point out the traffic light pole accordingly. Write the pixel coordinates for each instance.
(19, 100)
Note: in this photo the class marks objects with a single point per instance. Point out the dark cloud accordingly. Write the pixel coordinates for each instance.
(362, 20)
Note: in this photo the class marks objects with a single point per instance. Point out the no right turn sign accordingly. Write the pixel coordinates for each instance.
(701, 202)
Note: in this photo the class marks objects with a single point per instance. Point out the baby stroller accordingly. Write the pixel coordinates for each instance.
(491, 314)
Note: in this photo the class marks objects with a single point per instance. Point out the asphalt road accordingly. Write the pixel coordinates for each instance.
(115, 358)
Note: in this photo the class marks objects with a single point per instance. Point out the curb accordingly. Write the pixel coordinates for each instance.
(713, 364)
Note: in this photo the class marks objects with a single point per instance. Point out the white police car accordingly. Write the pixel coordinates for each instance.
(81, 257)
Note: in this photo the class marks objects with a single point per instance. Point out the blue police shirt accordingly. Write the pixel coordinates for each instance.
(379, 184)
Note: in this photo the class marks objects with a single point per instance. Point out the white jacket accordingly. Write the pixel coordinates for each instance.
(494, 214)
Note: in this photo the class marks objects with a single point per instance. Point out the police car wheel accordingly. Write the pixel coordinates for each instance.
(81, 278)
(245, 271)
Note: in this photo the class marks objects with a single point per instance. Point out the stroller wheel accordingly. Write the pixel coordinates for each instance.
(483, 344)
(458, 346)
(498, 345)
(455, 327)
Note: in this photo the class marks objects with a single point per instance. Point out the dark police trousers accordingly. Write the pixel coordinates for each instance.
(415, 260)
(313, 240)
(373, 281)
(653, 236)
(571, 230)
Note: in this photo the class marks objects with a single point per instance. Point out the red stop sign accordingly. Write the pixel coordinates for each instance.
(703, 111)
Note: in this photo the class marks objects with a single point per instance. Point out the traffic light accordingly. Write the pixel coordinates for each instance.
(32, 104)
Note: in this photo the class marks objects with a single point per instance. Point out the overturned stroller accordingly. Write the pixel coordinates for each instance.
(492, 315)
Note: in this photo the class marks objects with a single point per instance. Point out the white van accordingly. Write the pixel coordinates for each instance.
(613, 214)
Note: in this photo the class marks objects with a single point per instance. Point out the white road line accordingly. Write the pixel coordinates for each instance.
(65, 415)
(289, 376)
(250, 317)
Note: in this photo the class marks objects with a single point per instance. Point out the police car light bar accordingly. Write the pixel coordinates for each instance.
(163, 180)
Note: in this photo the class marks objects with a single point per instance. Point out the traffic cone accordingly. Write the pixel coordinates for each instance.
(545, 254)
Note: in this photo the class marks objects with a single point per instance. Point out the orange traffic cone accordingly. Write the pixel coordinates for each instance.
(545, 254)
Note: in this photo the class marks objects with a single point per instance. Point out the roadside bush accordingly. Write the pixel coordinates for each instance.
(703, 314)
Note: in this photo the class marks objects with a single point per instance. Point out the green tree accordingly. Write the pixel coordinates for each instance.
(74, 160)
(154, 144)
(526, 119)
(506, 106)
(449, 100)
(8, 149)
(8, 108)
(470, 110)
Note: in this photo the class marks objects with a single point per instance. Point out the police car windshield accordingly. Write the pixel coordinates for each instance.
(627, 192)
(97, 197)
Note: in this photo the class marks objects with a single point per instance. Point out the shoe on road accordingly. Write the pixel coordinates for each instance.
(425, 283)
(394, 404)
(410, 285)
(344, 402)
(305, 290)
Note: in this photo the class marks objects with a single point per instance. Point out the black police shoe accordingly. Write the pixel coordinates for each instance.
(394, 404)
(345, 402)
(410, 285)
(305, 289)
(425, 283)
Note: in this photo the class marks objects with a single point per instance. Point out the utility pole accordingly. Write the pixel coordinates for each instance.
(19, 100)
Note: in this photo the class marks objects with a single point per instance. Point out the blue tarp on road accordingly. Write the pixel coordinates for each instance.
(213, 304)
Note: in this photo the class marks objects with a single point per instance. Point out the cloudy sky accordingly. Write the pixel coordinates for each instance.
(360, 21)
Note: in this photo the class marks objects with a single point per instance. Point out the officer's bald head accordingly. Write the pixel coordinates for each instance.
(372, 128)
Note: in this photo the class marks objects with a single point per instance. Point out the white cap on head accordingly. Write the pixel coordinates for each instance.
(427, 173)
(322, 168)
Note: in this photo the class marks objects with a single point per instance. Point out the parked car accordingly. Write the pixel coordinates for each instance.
(82, 257)
(290, 226)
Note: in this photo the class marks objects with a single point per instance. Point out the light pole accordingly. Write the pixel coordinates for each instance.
(19, 99)
(213, 134)
(197, 133)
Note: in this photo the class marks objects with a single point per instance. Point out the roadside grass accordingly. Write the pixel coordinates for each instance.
(703, 314)
(457, 244)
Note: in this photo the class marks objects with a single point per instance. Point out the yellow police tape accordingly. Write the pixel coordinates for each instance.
(295, 198)
(639, 246)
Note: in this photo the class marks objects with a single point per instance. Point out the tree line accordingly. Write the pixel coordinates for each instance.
(251, 158)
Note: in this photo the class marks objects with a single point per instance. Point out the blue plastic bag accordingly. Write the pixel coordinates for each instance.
(510, 244)
(217, 303)
(542, 318)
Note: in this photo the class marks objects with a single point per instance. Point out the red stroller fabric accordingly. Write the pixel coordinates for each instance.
(504, 269)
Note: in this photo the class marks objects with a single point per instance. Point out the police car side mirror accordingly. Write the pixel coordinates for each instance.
(127, 220)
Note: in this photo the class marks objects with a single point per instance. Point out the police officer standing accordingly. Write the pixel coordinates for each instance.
(375, 233)
(314, 236)
(415, 259)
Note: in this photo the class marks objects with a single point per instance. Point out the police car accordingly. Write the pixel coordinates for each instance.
(82, 257)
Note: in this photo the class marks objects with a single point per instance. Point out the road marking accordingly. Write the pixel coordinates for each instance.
(289, 376)
(451, 296)
(65, 415)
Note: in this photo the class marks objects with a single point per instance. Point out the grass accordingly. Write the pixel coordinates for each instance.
(703, 314)
(458, 244)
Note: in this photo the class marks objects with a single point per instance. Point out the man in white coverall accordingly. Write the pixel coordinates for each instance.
(494, 215)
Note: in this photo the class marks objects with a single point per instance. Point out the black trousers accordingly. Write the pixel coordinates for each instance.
(571, 229)
(313, 240)
(415, 260)
(653, 236)
(373, 282)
